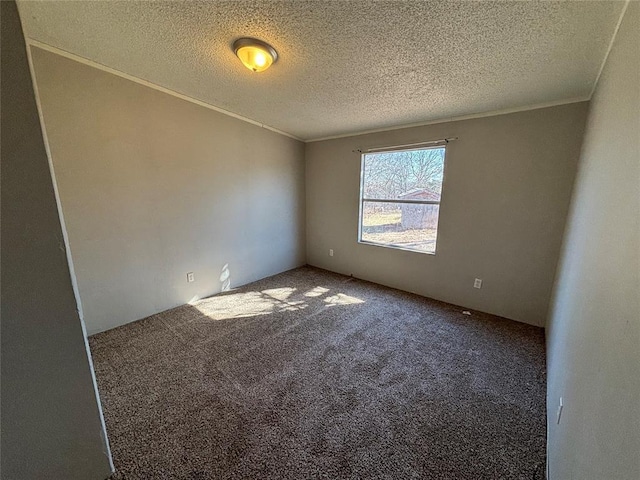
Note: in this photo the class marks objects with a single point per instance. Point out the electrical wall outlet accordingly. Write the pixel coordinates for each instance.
(190, 277)
(477, 283)
(331, 252)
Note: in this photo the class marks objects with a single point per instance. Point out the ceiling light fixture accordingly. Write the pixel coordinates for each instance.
(256, 55)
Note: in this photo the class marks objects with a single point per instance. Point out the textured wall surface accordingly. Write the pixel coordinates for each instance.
(344, 66)
(51, 426)
(593, 337)
(507, 186)
(153, 187)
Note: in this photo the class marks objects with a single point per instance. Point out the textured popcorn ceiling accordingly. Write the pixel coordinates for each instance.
(344, 66)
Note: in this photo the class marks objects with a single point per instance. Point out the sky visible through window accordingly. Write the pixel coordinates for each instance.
(400, 198)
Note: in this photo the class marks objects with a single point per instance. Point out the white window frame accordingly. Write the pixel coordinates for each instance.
(420, 202)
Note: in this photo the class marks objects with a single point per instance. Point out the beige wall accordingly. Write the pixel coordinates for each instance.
(506, 192)
(51, 424)
(593, 336)
(153, 187)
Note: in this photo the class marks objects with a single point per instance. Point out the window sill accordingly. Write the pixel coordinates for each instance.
(396, 247)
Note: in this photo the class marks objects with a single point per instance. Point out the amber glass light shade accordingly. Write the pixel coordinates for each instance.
(256, 55)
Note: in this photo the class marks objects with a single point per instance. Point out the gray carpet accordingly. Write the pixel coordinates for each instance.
(310, 374)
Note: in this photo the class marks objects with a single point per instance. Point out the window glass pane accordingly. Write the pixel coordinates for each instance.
(407, 175)
(405, 225)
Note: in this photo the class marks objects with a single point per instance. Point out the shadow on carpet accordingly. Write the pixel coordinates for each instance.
(310, 374)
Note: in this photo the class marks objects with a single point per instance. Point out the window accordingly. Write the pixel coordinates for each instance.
(400, 198)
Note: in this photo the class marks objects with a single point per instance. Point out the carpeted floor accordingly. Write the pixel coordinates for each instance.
(310, 374)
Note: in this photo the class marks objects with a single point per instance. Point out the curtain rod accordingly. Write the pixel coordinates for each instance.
(406, 145)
